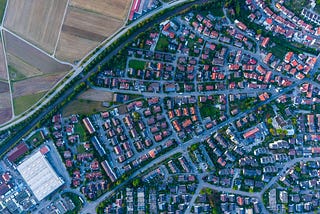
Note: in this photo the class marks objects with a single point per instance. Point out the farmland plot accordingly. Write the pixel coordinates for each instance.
(87, 23)
(37, 21)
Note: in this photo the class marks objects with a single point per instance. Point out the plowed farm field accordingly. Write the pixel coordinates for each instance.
(37, 21)
(35, 85)
(31, 71)
(5, 103)
(3, 69)
(87, 23)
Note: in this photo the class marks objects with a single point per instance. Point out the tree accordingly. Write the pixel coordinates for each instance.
(272, 131)
(238, 8)
(136, 182)
(194, 147)
(259, 31)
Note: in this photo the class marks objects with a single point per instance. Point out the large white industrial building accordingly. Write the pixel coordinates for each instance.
(39, 175)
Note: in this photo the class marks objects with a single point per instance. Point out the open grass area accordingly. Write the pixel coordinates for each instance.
(23, 103)
(244, 104)
(317, 8)
(209, 111)
(296, 6)
(81, 149)
(79, 129)
(36, 140)
(282, 47)
(2, 7)
(162, 44)
(278, 51)
(85, 107)
(137, 64)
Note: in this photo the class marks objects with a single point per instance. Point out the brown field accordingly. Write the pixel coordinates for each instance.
(113, 8)
(19, 69)
(85, 107)
(73, 48)
(38, 21)
(5, 107)
(31, 71)
(35, 85)
(3, 69)
(32, 56)
(4, 87)
(90, 23)
(87, 23)
(96, 95)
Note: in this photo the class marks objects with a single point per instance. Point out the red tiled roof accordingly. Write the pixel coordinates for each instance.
(17, 152)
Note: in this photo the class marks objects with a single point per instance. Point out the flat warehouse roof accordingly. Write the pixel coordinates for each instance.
(39, 175)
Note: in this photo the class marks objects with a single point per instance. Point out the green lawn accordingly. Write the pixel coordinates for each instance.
(2, 7)
(278, 51)
(296, 6)
(162, 44)
(23, 103)
(245, 104)
(81, 149)
(207, 110)
(317, 8)
(137, 64)
(79, 129)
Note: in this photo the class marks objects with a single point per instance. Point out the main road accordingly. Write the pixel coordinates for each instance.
(69, 91)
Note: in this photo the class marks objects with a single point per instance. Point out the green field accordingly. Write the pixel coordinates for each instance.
(296, 6)
(209, 111)
(81, 149)
(79, 129)
(162, 44)
(137, 64)
(85, 107)
(23, 103)
(2, 7)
